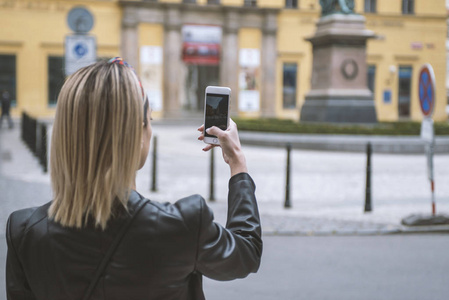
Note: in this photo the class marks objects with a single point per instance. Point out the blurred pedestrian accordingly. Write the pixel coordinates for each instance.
(6, 104)
(98, 229)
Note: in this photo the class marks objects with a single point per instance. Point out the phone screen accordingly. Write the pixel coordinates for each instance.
(216, 112)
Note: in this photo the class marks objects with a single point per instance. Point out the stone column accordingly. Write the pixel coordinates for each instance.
(130, 39)
(269, 58)
(230, 59)
(172, 63)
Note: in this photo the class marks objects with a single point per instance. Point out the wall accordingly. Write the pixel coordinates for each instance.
(35, 29)
(407, 40)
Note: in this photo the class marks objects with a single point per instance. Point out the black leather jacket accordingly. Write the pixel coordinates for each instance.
(163, 255)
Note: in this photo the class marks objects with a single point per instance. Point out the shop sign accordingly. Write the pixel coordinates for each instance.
(201, 44)
(416, 45)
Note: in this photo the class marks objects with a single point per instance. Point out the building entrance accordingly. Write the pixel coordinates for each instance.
(197, 79)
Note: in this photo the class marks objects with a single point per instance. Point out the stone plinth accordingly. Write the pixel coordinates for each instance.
(339, 91)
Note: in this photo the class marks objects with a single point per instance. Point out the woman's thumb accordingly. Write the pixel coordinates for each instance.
(214, 131)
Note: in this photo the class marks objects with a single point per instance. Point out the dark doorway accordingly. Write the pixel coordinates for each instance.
(404, 88)
(198, 78)
(8, 76)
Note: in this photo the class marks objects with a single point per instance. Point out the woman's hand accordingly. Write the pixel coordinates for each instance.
(230, 145)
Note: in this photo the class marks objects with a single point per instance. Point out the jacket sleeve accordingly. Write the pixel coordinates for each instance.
(234, 251)
(17, 287)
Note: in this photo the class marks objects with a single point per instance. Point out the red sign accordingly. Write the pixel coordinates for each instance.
(201, 53)
(201, 44)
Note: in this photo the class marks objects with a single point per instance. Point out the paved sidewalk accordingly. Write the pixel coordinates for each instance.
(327, 188)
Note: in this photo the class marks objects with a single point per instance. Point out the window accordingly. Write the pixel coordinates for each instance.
(8, 76)
(213, 1)
(252, 3)
(371, 78)
(188, 1)
(370, 6)
(290, 71)
(404, 88)
(291, 3)
(56, 76)
(408, 7)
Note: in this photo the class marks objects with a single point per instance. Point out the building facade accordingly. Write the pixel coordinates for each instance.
(256, 47)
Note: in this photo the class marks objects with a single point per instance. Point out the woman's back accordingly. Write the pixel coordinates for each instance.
(161, 256)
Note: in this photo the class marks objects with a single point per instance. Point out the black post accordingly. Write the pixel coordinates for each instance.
(287, 203)
(23, 125)
(26, 129)
(43, 150)
(33, 136)
(154, 165)
(368, 207)
(212, 173)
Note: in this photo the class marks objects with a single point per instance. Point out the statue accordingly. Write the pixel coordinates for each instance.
(329, 7)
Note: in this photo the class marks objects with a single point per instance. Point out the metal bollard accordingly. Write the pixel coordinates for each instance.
(212, 175)
(43, 150)
(23, 125)
(154, 165)
(33, 135)
(287, 203)
(368, 207)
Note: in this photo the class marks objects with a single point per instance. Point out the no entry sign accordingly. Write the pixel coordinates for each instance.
(426, 90)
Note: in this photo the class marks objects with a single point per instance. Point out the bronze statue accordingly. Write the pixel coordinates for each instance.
(329, 7)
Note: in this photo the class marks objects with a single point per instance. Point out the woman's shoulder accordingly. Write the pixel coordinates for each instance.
(190, 210)
(20, 221)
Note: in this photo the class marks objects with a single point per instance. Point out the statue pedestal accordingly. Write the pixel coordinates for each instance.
(339, 91)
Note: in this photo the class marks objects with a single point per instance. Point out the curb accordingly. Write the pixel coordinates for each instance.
(362, 232)
(345, 143)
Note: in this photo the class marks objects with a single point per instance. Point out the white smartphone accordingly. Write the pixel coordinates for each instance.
(216, 111)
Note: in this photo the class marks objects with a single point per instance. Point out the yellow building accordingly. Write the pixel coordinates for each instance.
(256, 47)
(32, 47)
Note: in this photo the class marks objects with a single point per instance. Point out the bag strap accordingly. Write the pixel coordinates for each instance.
(104, 262)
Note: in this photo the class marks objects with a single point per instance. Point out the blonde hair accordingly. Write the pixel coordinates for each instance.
(96, 143)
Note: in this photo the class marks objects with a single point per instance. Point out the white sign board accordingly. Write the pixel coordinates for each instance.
(427, 133)
(201, 34)
(249, 101)
(249, 57)
(249, 95)
(151, 58)
(151, 55)
(80, 51)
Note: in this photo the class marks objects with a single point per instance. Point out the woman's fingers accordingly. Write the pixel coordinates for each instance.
(208, 147)
(201, 129)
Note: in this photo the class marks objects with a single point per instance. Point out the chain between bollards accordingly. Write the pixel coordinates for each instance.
(368, 207)
(287, 203)
(154, 165)
(212, 173)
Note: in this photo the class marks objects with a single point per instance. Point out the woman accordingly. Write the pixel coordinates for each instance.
(99, 238)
